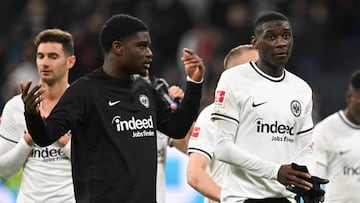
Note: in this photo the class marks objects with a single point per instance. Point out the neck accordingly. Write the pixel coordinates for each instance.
(269, 69)
(112, 67)
(350, 117)
(51, 96)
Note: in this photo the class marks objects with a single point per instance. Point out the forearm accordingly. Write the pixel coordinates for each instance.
(227, 151)
(37, 130)
(198, 178)
(13, 160)
(304, 155)
(177, 125)
(182, 144)
(204, 184)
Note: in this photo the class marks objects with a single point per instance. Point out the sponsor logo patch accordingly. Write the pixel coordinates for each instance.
(220, 98)
(195, 132)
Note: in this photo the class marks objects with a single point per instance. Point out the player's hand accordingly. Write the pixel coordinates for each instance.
(31, 98)
(28, 139)
(288, 176)
(315, 194)
(194, 66)
(176, 92)
(63, 140)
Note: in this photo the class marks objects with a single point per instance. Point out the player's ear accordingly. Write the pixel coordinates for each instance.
(254, 42)
(71, 61)
(117, 47)
(349, 97)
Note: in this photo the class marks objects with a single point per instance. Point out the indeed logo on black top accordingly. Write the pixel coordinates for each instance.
(132, 124)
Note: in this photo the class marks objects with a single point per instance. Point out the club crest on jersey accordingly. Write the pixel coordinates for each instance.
(144, 100)
(295, 107)
(220, 98)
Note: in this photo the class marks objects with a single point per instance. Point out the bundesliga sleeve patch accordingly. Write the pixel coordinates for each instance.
(195, 132)
(219, 98)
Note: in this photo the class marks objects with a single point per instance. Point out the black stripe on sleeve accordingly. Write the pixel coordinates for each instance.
(8, 139)
(305, 131)
(214, 116)
(196, 149)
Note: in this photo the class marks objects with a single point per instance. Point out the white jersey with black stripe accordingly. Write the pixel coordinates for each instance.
(46, 174)
(202, 142)
(337, 152)
(273, 123)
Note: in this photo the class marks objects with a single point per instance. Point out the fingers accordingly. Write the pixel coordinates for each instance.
(189, 57)
(288, 176)
(31, 98)
(176, 92)
(299, 182)
(63, 140)
(28, 139)
(25, 88)
(193, 61)
(194, 66)
(187, 51)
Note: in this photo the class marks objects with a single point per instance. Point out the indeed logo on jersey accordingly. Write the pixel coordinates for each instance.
(351, 171)
(48, 154)
(275, 128)
(135, 125)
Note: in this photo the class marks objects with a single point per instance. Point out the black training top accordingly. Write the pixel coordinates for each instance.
(113, 125)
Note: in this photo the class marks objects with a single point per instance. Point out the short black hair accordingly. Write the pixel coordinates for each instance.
(355, 81)
(56, 35)
(268, 16)
(119, 26)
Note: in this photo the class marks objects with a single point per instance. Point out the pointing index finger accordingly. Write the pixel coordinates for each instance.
(188, 51)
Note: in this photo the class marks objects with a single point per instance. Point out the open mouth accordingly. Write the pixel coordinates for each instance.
(147, 63)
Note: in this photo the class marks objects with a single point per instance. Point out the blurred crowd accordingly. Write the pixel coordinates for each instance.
(326, 34)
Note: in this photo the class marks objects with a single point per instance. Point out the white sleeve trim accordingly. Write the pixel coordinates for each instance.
(188, 78)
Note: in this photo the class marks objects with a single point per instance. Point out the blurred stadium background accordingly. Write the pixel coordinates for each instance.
(326, 47)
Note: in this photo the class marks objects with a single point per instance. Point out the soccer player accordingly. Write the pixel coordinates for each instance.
(204, 172)
(262, 114)
(336, 147)
(114, 117)
(46, 170)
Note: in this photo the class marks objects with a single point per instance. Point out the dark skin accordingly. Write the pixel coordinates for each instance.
(128, 56)
(274, 40)
(352, 111)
